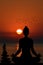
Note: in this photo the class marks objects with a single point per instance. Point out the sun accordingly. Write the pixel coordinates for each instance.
(19, 31)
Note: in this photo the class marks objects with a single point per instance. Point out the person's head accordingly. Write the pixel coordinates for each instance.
(26, 31)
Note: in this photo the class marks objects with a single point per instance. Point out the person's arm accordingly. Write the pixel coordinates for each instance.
(19, 50)
(33, 51)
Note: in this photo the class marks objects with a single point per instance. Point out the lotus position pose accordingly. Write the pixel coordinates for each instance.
(26, 46)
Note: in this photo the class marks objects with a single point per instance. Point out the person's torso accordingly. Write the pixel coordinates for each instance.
(26, 46)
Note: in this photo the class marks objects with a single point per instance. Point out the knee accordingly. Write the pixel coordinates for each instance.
(38, 59)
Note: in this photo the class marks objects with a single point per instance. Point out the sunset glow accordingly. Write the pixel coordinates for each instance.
(19, 31)
(15, 14)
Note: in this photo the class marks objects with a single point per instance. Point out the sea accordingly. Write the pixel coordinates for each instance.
(13, 47)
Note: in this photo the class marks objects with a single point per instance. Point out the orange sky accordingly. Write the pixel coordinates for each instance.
(16, 14)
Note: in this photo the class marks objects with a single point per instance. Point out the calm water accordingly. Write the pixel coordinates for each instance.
(12, 48)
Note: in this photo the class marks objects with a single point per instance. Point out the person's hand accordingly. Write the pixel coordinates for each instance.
(38, 55)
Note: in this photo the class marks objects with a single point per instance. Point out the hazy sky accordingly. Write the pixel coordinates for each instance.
(16, 14)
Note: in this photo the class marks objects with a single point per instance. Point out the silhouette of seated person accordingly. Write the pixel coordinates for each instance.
(26, 44)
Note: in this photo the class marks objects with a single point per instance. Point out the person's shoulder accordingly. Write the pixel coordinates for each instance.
(31, 39)
(21, 39)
